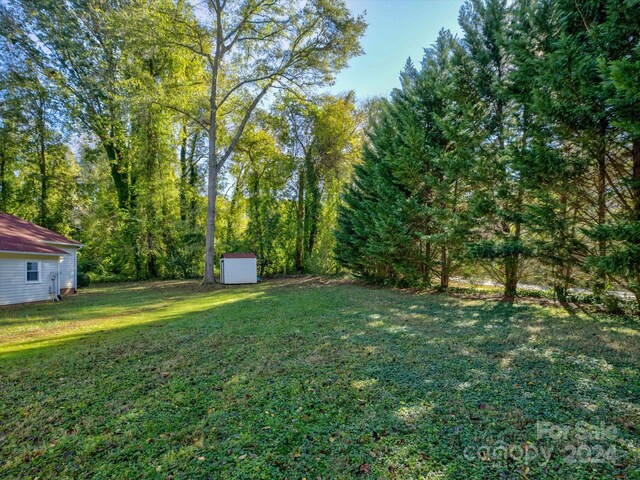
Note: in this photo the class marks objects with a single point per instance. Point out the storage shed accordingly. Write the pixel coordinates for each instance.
(238, 268)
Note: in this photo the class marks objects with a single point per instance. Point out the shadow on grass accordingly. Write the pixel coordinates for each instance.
(306, 379)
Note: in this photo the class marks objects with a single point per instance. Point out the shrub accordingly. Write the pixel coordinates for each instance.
(83, 280)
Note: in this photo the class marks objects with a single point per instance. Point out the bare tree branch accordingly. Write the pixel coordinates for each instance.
(242, 125)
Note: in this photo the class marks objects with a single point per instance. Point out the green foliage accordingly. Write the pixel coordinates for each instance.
(322, 138)
(401, 220)
(488, 249)
(84, 280)
(515, 148)
(156, 106)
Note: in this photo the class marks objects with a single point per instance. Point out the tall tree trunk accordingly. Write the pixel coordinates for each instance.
(118, 173)
(635, 179)
(601, 180)
(426, 266)
(213, 166)
(561, 278)
(635, 189)
(152, 260)
(312, 208)
(42, 164)
(184, 168)
(193, 182)
(212, 193)
(212, 188)
(152, 205)
(126, 198)
(444, 267)
(231, 215)
(602, 206)
(4, 184)
(512, 262)
(560, 265)
(299, 261)
(43, 186)
(511, 277)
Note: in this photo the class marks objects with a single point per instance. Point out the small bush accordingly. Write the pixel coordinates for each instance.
(613, 304)
(83, 280)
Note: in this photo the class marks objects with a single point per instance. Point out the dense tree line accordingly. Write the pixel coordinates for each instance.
(129, 125)
(164, 133)
(515, 148)
(286, 178)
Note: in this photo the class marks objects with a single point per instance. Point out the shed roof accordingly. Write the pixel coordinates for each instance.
(238, 255)
(18, 235)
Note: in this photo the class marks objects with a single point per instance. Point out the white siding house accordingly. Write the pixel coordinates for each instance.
(14, 286)
(69, 269)
(35, 263)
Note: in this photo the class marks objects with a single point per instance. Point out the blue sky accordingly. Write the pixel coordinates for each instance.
(398, 29)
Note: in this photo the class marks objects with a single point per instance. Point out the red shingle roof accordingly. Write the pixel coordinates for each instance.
(17, 235)
(238, 255)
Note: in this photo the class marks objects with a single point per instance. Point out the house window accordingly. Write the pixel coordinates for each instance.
(33, 272)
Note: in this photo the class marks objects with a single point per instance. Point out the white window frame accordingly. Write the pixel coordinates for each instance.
(26, 276)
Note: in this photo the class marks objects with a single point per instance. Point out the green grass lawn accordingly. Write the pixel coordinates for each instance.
(314, 378)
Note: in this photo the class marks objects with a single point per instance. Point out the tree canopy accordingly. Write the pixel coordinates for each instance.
(164, 133)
